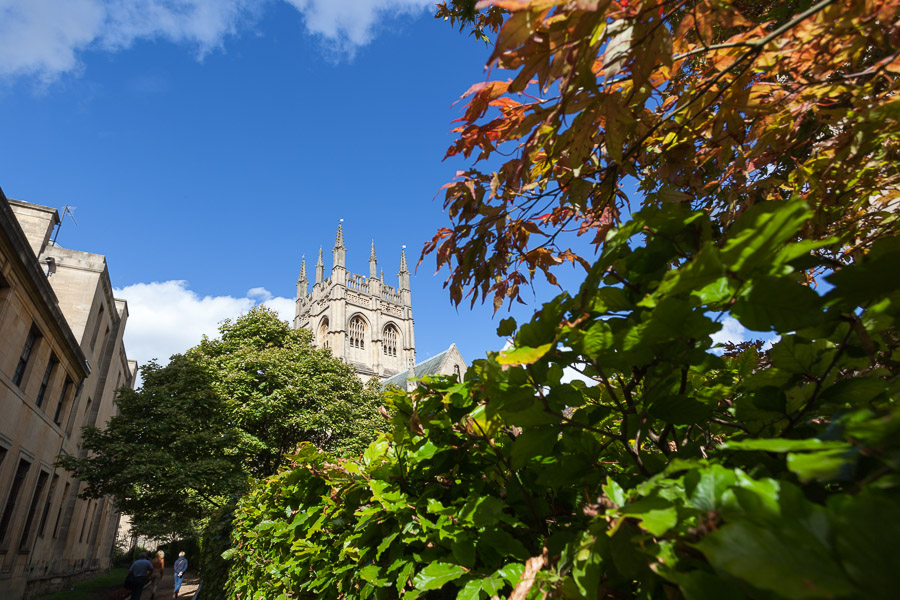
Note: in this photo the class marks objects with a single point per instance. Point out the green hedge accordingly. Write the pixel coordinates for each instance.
(669, 468)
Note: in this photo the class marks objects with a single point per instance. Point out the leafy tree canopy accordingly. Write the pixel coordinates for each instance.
(169, 455)
(228, 409)
(279, 390)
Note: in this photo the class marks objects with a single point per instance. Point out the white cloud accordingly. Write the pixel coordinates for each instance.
(732, 331)
(45, 38)
(572, 374)
(41, 37)
(285, 307)
(348, 24)
(166, 318)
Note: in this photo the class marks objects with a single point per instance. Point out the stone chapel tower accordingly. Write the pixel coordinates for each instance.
(364, 321)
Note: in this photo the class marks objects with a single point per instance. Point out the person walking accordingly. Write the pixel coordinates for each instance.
(181, 566)
(159, 566)
(138, 572)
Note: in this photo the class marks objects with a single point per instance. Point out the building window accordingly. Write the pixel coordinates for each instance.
(18, 480)
(47, 505)
(456, 371)
(35, 500)
(4, 293)
(62, 502)
(357, 333)
(97, 327)
(63, 400)
(322, 336)
(95, 525)
(391, 339)
(33, 335)
(84, 522)
(48, 373)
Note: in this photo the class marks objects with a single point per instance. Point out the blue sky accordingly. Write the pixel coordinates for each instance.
(207, 145)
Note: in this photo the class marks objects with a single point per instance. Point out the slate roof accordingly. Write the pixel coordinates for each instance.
(430, 366)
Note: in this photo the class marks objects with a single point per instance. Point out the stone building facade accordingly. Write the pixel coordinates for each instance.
(363, 320)
(61, 360)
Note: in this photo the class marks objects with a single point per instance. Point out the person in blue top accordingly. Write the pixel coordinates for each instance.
(181, 566)
(139, 571)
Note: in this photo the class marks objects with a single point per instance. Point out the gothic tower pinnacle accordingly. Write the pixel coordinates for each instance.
(320, 268)
(363, 320)
(404, 271)
(339, 249)
(301, 281)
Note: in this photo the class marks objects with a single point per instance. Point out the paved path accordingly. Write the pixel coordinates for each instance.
(167, 584)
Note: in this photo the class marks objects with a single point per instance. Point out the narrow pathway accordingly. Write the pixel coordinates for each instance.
(167, 584)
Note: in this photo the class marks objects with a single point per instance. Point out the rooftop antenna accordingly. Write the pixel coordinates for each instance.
(67, 210)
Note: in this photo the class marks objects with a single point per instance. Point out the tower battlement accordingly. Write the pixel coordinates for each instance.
(363, 320)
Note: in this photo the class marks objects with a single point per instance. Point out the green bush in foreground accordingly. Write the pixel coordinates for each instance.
(664, 471)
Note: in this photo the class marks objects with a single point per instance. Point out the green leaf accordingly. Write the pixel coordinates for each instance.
(597, 338)
(614, 492)
(656, 515)
(705, 487)
(482, 511)
(826, 465)
(867, 540)
(385, 544)
(502, 544)
(783, 445)
(405, 574)
(375, 451)
(759, 233)
(511, 573)
(523, 355)
(470, 591)
(777, 303)
(610, 299)
(372, 574)
(493, 584)
(507, 327)
(680, 410)
(531, 444)
(872, 277)
(856, 391)
(700, 585)
(436, 574)
(463, 551)
(785, 559)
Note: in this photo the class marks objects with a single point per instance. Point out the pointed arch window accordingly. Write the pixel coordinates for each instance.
(322, 337)
(357, 333)
(391, 340)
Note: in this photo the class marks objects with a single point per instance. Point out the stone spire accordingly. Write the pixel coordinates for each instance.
(339, 249)
(320, 268)
(301, 281)
(404, 271)
(373, 263)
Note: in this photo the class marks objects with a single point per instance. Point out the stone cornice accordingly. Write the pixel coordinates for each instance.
(26, 263)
